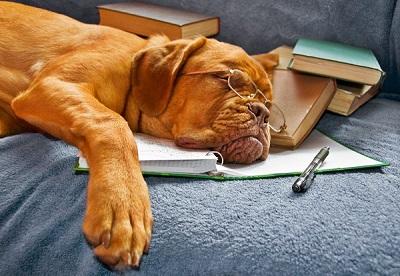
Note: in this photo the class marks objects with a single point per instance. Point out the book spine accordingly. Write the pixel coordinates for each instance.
(138, 25)
(341, 103)
(205, 27)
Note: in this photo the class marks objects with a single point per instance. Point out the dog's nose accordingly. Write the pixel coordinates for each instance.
(260, 111)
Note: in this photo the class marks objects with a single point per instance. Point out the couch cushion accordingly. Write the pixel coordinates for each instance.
(261, 25)
(346, 223)
(392, 83)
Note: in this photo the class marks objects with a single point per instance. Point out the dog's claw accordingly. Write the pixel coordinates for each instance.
(109, 260)
(147, 248)
(126, 258)
(136, 260)
(105, 239)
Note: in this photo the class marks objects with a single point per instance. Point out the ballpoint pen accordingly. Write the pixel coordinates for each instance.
(303, 182)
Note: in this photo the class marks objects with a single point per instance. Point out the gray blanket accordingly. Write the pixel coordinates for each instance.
(347, 223)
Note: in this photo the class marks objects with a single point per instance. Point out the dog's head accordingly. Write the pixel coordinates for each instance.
(204, 94)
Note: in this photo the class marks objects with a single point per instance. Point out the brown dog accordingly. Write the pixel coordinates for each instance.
(92, 86)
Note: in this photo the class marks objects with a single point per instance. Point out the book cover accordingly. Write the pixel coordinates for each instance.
(336, 52)
(303, 99)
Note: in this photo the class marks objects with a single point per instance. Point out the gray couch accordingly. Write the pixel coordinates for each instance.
(347, 223)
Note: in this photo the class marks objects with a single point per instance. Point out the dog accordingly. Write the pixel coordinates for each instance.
(93, 86)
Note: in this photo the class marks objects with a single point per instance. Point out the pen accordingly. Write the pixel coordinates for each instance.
(303, 182)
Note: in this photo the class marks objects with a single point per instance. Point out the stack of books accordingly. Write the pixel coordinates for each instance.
(356, 70)
(147, 19)
(315, 76)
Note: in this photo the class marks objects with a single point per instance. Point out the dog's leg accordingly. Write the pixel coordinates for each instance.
(9, 124)
(118, 218)
(11, 83)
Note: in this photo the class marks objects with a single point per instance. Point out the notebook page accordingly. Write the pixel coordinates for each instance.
(286, 161)
(162, 155)
(152, 148)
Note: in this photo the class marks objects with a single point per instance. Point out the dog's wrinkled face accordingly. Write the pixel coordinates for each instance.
(205, 110)
(215, 116)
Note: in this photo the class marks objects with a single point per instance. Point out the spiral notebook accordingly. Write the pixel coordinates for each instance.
(162, 157)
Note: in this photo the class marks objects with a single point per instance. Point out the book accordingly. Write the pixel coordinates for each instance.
(336, 60)
(285, 56)
(147, 19)
(280, 162)
(156, 154)
(303, 99)
(349, 96)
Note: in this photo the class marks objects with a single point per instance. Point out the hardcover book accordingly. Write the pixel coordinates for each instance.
(350, 96)
(148, 19)
(336, 60)
(285, 56)
(303, 99)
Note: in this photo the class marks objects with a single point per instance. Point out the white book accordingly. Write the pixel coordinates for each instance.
(162, 157)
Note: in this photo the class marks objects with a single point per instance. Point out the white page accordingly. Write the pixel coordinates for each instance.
(162, 155)
(286, 161)
(152, 148)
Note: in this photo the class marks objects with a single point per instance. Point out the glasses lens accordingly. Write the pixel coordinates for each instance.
(241, 83)
(239, 80)
(276, 119)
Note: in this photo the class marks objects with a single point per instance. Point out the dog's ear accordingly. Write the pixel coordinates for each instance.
(155, 69)
(268, 61)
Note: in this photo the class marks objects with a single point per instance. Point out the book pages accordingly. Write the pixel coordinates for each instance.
(283, 161)
(152, 148)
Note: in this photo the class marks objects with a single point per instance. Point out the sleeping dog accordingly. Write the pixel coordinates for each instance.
(93, 86)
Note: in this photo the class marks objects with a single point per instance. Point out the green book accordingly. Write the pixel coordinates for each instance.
(336, 60)
(162, 158)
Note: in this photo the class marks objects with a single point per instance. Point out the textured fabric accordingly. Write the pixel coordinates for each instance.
(261, 25)
(346, 223)
(393, 83)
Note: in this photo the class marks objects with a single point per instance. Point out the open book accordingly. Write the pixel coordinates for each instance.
(162, 157)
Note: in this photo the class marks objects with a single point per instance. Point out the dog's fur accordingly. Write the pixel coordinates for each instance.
(93, 85)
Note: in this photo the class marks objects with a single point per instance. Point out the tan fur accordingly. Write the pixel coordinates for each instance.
(92, 86)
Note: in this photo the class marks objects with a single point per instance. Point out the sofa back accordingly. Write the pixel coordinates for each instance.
(261, 25)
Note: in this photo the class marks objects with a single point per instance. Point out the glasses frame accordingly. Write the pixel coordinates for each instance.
(230, 73)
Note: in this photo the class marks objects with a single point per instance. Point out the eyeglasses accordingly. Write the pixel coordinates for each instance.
(277, 120)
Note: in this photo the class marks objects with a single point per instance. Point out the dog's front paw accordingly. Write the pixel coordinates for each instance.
(118, 221)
